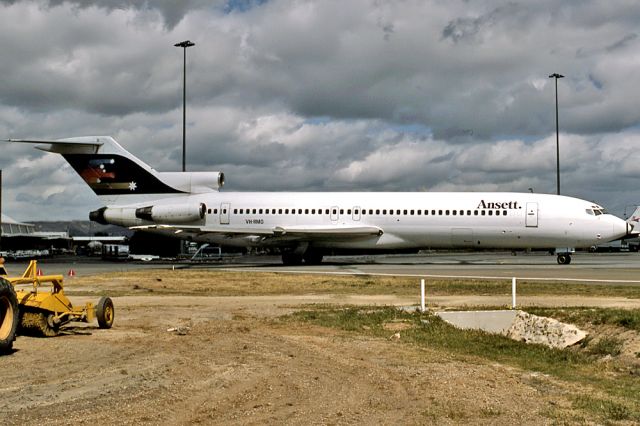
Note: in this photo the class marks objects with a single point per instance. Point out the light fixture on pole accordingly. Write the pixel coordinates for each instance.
(557, 76)
(184, 45)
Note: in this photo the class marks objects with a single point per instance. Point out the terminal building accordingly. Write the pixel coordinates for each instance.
(19, 236)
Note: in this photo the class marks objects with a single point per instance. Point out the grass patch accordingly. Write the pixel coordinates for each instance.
(605, 408)
(610, 346)
(617, 391)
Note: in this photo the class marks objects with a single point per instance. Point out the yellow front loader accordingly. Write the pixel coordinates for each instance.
(42, 312)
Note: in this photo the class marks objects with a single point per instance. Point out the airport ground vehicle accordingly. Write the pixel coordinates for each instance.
(8, 314)
(27, 309)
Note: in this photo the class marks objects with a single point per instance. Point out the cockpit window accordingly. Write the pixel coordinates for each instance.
(589, 211)
(597, 210)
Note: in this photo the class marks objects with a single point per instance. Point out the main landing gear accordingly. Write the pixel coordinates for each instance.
(564, 258)
(293, 258)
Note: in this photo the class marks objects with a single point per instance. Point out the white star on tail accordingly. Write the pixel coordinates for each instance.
(132, 186)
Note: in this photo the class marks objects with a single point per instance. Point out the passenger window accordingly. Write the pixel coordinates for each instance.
(326, 211)
(215, 211)
(335, 211)
(341, 211)
(370, 211)
(468, 212)
(439, 212)
(235, 211)
(209, 211)
(475, 212)
(455, 212)
(306, 211)
(484, 213)
(377, 211)
(349, 211)
(313, 211)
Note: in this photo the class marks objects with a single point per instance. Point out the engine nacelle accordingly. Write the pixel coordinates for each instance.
(193, 182)
(172, 213)
(123, 216)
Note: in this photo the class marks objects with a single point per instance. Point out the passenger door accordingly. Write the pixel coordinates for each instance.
(531, 219)
(225, 209)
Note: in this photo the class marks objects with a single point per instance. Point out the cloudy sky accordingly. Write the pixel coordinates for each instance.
(400, 95)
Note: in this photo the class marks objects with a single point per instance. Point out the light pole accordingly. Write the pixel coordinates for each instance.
(184, 45)
(557, 76)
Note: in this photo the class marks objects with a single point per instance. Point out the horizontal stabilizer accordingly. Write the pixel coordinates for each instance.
(82, 145)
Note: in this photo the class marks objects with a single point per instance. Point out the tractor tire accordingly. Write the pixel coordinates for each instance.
(105, 312)
(39, 323)
(8, 316)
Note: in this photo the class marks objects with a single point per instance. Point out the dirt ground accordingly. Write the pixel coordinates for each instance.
(227, 360)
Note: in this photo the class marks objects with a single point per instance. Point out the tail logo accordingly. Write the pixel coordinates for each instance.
(112, 174)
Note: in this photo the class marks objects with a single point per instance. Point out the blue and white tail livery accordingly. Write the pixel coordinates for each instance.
(306, 226)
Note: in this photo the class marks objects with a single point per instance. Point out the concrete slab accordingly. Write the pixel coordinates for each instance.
(489, 321)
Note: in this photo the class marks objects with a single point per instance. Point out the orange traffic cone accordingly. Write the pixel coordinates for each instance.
(71, 273)
(39, 272)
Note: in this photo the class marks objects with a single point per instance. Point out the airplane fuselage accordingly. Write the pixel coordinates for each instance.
(406, 220)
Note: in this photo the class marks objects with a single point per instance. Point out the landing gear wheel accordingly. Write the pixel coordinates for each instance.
(564, 259)
(312, 258)
(105, 312)
(291, 259)
(8, 315)
(35, 322)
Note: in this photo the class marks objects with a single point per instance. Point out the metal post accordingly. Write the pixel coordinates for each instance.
(557, 76)
(184, 46)
(422, 308)
(513, 293)
(184, 109)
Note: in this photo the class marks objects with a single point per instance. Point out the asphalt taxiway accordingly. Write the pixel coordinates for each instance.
(610, 267)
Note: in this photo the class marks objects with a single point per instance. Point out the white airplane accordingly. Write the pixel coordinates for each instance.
(306, 226)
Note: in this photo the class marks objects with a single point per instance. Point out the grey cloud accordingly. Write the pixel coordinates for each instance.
(317, 95)
(172, 11)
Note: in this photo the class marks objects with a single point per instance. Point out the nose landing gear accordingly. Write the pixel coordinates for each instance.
(564, 255)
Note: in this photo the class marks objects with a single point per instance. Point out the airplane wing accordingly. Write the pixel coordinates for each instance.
(290, 232)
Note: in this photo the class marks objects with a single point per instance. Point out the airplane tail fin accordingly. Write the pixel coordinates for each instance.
(118, 177)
